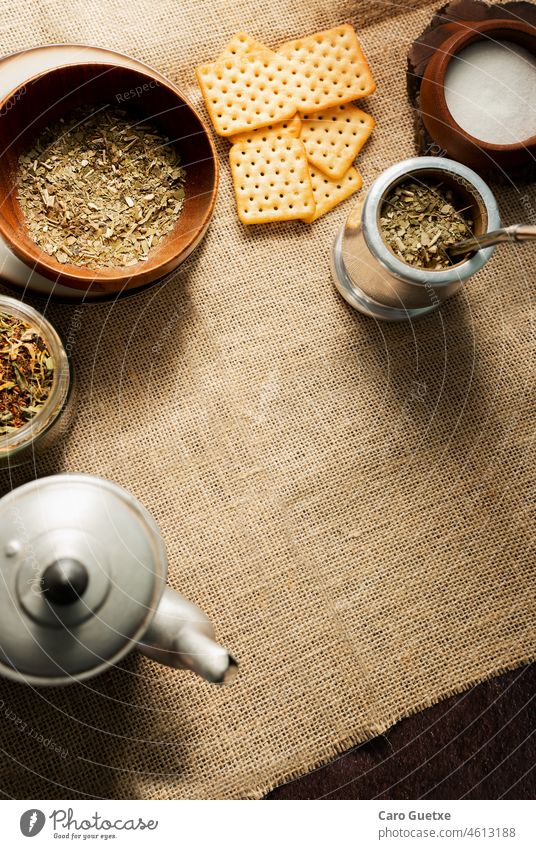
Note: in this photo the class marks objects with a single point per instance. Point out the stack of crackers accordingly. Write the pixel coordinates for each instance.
(289, 115)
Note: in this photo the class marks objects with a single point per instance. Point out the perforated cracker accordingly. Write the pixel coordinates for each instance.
(328, 193)
(333, 65)
(271, 180)
(281, 130)
(239, 44)
(249, 91)
(334, 137)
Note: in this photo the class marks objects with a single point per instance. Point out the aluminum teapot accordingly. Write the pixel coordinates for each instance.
(83, 581)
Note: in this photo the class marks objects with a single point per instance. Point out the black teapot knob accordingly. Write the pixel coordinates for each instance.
(64, 581)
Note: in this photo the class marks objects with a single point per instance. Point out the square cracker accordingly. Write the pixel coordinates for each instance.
(284, 128)
(334, 67)
(249, 91)
(271, 180)
(334, 137)
(328, 193)
(239, 44)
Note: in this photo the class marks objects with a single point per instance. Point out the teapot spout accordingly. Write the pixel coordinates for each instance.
(182, 636)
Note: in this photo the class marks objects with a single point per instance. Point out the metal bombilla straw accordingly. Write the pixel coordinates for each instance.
(514, 233)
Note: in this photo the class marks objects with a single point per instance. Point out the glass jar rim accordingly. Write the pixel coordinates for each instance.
(20, 439)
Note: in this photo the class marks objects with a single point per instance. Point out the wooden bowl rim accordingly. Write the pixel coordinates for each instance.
(436, 70)
(79, 277)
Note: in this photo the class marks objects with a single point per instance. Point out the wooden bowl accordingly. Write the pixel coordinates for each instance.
(441, 126)
(45, 98)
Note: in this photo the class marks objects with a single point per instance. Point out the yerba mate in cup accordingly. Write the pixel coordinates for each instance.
(373, 278)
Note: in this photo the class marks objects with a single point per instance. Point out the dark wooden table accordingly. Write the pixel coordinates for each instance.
(479, 745)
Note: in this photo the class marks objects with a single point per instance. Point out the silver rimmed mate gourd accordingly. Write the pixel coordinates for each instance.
(373, 279)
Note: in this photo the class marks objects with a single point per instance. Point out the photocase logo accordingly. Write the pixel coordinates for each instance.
(31, 822)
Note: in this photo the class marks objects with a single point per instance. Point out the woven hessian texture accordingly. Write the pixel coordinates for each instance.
(348, 501)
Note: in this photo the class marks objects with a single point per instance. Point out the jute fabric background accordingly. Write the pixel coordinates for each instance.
(350, 502)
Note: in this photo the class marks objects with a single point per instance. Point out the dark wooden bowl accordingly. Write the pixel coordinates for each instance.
(440, 124)
(27, 110)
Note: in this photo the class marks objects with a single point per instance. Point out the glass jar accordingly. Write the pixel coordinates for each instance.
(51, 422)
(373, 279)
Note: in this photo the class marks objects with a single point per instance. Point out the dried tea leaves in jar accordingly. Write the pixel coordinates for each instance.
(26, 373)
(100, 190)
(419, 221)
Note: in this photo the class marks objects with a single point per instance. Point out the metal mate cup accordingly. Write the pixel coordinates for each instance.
(379, 284)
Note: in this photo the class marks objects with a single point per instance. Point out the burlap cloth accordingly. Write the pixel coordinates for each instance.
(350, 502)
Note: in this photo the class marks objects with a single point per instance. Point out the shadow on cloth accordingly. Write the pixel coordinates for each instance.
(109, 737)
(108, 733)
(125, 354)
(430, 376)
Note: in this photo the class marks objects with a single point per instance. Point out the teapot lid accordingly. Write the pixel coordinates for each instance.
(82, 568)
